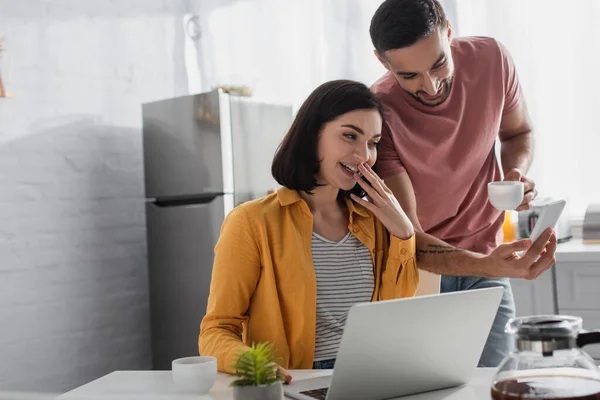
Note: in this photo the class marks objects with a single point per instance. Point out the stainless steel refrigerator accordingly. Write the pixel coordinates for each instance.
(203, 155)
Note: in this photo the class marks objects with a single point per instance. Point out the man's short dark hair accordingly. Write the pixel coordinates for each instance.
(296, 162)
(401, 23)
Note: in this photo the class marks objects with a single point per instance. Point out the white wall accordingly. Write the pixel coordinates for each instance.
(73, 281)
(562, 100)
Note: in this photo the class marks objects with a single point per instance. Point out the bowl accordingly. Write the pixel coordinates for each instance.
(194, 374)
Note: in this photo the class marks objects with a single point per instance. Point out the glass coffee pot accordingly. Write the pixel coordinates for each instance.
(547, 362)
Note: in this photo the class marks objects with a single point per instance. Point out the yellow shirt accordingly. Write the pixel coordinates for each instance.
(263, 284)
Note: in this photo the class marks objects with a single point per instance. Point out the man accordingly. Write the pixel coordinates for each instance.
(447, 100)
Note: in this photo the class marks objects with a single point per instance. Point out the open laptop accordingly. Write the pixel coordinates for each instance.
(399, 347)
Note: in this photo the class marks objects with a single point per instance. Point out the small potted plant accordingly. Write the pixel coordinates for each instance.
(258, 375)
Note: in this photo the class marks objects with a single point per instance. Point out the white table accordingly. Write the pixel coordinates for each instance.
(158, 385)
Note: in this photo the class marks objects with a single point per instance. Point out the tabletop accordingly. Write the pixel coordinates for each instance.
(158, 385)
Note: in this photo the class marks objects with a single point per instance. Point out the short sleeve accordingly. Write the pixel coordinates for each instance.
(388, 160)
(513, 95)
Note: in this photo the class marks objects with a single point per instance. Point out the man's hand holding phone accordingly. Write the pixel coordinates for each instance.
(522, 258)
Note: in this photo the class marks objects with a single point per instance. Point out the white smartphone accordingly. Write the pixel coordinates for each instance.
(548, 218)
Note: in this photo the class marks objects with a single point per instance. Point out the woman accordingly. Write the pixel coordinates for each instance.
(289, 266)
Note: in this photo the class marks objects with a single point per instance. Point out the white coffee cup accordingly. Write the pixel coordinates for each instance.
(505, 195)
(194, 374)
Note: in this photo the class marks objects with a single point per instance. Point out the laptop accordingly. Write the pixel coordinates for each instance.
(405, 346)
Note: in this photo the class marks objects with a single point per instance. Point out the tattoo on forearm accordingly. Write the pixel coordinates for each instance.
(439, 249)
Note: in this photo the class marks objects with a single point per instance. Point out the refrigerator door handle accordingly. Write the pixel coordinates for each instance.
(184, 200)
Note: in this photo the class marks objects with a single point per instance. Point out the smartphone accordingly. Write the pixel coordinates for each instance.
(548, 218)
(358, 191)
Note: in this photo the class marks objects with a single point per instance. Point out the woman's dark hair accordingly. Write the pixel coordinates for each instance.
(401, 23)
(296, 162)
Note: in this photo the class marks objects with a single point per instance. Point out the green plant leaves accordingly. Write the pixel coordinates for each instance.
(257, 367)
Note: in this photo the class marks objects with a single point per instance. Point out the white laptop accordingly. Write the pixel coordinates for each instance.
(399, 347)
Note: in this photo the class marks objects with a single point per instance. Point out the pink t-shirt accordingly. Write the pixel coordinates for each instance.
(448, 150)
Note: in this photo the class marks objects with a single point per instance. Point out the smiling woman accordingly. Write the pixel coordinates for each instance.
(288, 267)
(345, 144)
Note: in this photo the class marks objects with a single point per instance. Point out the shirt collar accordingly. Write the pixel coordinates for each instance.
(288, 196)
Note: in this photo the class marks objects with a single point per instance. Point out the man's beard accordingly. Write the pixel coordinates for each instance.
(446, 83)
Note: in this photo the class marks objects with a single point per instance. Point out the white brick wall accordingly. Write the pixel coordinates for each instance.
(73, 281)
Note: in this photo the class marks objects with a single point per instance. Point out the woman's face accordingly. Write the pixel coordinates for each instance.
(346, 142)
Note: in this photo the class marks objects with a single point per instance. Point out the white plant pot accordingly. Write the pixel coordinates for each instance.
(271, 392)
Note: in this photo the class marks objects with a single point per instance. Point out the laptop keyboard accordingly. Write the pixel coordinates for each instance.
(319, 394)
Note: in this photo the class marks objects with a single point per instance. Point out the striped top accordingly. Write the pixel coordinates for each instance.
(344, 272)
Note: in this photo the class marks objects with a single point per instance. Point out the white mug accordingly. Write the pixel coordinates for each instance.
(194, 374)
(506, 195)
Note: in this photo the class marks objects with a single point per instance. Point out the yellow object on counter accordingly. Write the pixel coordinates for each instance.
(509, 228)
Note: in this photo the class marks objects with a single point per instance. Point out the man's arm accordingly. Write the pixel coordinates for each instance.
(433, 254)
(429, 279)
(439, 257)
(516, 140)
(516, 151)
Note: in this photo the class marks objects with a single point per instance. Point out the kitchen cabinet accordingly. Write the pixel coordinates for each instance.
(578, 285)
(571, 287)
(534, 297)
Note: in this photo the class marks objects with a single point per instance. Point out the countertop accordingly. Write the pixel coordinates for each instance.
(154, 385)
(575, 251)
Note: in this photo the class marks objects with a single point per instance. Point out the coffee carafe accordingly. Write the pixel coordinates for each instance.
(548, 362)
